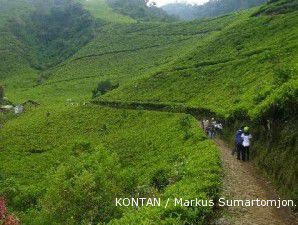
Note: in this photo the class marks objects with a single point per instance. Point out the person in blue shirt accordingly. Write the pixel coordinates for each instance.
(238, 143)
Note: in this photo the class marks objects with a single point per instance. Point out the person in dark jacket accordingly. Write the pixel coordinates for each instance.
(238, 143)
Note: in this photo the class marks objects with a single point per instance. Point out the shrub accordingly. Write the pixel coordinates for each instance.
(160, 179)
(81, 147)
(283, 74)
(185, 124)
(103, 87)
(83, 191)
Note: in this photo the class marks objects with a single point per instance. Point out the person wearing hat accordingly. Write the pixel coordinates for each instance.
(246, 137)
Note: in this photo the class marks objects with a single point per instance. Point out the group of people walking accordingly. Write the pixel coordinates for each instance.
(242, 138)
(211, 127)
(242, 144)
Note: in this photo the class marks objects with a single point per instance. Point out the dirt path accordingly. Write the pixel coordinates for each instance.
(241, 181)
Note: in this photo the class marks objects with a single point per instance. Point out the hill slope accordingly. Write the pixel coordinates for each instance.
(209, 9)
(103, 149)
(242, 67)
(74, 147)
(100, 9)
(246, 77)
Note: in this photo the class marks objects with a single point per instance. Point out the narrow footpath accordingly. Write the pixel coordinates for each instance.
(241, 181)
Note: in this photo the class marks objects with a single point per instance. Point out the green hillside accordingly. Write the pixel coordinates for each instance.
(100, 9)
(65, 160)
(13, 66)
(66, 143)
(242, 67)
(152, 45)
(246, 74)
(209, 9)
(28, 47)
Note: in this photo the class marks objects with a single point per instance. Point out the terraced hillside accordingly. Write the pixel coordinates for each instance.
(246, 74)
(65, 161)
(100, 9)
(242, 67)
(103, 149)
(113, 55)
(60, 147)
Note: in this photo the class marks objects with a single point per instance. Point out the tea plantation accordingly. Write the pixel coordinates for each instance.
(68, 167)
(66, 160)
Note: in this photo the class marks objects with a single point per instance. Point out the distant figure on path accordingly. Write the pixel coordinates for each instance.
(218, 128)
(238, 143)
(203, 124)
(206, 126)
(212, 129)
(246, 137)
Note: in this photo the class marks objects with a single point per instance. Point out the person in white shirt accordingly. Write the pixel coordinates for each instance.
(246, 137)
(212, 129)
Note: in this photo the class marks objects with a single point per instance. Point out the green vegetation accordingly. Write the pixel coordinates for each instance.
(65, 158)
(211, 8)
(68, 28)
(139, 10)
(103, 87)
(1, 93)
(278, 7)
(28, 47)
(239, 72)
(103, 149)
(100, 9)
(113, 54)
(242, 67)
(13, 65)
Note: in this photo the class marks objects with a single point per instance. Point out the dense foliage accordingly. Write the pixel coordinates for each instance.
(53, 31)
(36, 35)
(103, 87)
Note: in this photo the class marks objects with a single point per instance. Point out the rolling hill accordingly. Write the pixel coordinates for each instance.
(209, 9)
(64, 158)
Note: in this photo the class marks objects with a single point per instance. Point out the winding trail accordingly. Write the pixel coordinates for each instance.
(241, 181)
